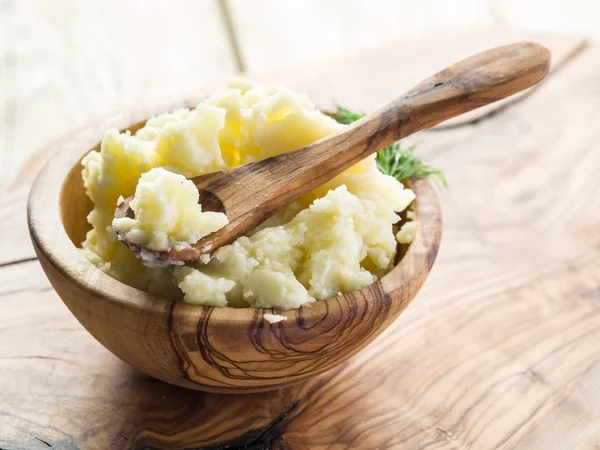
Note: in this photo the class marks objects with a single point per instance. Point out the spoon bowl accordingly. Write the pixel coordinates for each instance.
(216, 349)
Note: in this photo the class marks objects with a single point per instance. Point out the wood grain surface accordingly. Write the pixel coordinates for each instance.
(499, 350)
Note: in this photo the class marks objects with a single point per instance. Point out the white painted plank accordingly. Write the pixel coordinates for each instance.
(65, 62)
(574, 17)
(275, 34)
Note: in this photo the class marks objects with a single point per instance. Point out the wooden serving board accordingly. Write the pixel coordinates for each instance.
(501, 349)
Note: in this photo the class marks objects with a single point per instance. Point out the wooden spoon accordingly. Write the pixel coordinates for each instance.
(250, 194)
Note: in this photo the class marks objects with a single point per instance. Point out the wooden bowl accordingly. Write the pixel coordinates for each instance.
(209, 348)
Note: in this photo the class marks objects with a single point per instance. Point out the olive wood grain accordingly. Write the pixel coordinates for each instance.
(250, 194)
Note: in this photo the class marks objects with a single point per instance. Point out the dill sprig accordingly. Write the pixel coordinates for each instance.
(401, 162)
(395, 160)
(343, 115)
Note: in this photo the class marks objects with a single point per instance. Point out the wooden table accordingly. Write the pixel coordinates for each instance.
(501, 349)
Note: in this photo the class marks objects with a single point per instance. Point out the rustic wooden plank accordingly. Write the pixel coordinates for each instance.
(65, 63)
(15, 245)
(499, 350)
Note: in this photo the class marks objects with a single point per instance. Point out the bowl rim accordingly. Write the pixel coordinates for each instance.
(50, 238)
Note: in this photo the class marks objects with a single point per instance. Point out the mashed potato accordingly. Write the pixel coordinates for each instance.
(274, 318)
(167, 213)
(334, 240)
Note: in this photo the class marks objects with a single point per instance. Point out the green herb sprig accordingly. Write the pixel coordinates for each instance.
(395, 160)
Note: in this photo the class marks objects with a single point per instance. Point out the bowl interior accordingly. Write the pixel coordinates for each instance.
(75, 205)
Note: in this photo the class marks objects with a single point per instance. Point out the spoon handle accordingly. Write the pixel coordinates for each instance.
(251, 193)
(474, 82)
